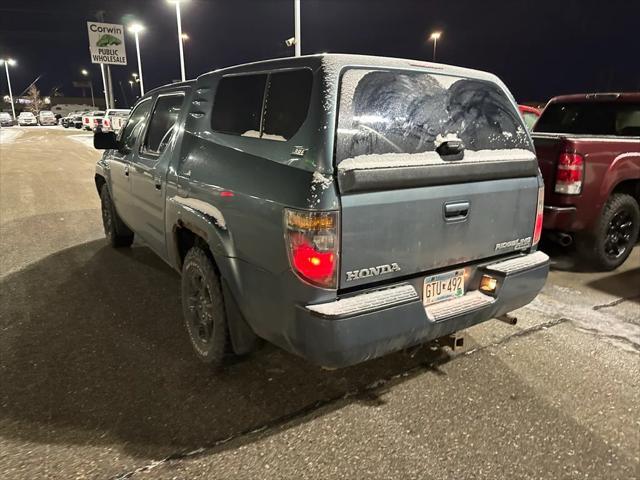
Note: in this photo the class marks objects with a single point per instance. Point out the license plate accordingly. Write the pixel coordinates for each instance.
(444, 286)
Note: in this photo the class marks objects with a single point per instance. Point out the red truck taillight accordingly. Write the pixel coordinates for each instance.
(312, 246)
(537, 229)
(569, 173)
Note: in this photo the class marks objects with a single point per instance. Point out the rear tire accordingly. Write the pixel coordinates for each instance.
(203, 307)
(616, 232)
(115, 230)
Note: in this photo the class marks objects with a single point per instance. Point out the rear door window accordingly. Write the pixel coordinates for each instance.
(269, 106)
(387, 112)
(162, 123)
(591, 118)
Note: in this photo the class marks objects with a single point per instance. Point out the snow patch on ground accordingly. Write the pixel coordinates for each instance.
(203, 207)
(84, 139)
(390, 160)
(599, 322)
(9, 135)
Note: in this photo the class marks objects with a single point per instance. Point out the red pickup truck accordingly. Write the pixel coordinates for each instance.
(588, 149)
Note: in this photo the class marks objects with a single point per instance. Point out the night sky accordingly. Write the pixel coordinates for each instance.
(539, 48)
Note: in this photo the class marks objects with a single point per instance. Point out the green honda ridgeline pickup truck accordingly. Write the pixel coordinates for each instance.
(341, 207)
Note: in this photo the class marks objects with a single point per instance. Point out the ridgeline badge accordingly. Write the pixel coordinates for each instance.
(106, 43)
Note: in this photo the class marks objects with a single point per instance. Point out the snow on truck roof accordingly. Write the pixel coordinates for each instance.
(334, 62)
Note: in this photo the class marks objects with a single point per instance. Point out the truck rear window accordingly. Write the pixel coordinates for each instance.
(385, 112)
(591, 118)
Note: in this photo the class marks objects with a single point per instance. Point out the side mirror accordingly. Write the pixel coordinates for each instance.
(105, 141)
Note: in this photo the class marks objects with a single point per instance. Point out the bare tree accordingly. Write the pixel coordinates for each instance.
(56, 92)
(35, 100)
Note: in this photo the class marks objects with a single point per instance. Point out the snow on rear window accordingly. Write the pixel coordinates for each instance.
(394, 112)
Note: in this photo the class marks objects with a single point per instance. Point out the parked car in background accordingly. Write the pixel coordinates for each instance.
(6, 120)
(352, 218)
(530, 115)
(27, 118)
(588, 147)
(67, 121)
(46, 117)
(91, 120)
(114, 119)
(77, 120)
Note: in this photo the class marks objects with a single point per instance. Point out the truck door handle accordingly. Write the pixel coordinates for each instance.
(158, 183)
(456, 211)
(126, 170)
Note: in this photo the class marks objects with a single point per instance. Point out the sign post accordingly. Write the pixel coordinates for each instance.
(107, 47)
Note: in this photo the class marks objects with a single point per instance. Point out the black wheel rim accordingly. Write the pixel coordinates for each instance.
(200, 305)
(618, 234)
(107, 219)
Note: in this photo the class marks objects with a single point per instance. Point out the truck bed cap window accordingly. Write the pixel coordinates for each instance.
(269, 106)
(403, 112)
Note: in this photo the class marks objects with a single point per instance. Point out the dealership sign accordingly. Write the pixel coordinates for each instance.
(106, 43)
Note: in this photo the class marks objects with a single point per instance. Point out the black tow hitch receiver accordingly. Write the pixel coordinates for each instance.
(508, 318)
(454, 341)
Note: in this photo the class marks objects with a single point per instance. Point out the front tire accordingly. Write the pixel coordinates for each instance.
(115, 230)
(203, 307)
(616, 232)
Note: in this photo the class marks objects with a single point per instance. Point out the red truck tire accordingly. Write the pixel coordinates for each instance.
(615, 234)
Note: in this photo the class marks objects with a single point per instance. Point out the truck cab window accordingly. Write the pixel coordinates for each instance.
(162, 123)
(135, 125)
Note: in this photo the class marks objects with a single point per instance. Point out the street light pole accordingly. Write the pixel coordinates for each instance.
(296, 32)
(11, 62)
(136, 29)
(435, 36)
(93, 98)
(104, 85)
(180, 38)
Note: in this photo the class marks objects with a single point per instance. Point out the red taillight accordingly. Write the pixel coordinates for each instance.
(537, 229)
(312, 244)
(313, 264)
(569, 173)
(105, 123)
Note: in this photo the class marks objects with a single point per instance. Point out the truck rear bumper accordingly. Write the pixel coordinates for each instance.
(365, 326)
(559, 218)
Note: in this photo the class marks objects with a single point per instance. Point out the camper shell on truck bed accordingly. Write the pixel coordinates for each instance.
(347, 206)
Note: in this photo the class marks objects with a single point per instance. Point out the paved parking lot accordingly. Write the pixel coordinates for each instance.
(97, 379)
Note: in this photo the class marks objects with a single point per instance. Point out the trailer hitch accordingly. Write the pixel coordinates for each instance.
(508, 318)
(454, 341)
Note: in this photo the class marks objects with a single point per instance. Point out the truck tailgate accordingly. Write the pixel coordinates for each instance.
(410, 227)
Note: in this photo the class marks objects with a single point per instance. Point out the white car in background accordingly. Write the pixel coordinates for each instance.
(92, 120)
(114, 119)
(46, 117)
(27, 118)
(6, 120)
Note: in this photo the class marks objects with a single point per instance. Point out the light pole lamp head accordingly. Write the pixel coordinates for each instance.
(9, 61)
(136, 28)
(435, 36)
(84, 72)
